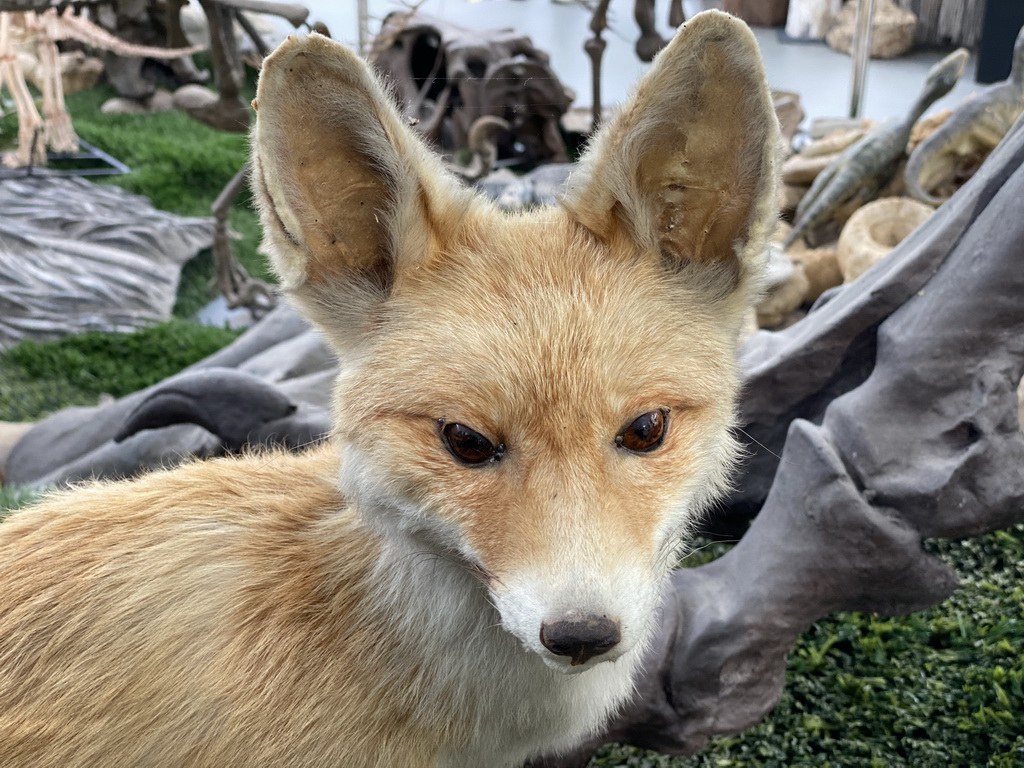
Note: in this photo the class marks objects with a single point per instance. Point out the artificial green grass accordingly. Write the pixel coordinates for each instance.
(12, 498)
(40, 378)
(940, 688)
(178, 163)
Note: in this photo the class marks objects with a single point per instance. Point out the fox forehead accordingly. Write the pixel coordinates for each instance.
(537, 334)
(530, 316)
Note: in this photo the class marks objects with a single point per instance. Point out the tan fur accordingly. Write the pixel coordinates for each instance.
(385, 609)
(191, 592)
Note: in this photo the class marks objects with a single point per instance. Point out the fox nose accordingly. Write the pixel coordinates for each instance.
(581, 639)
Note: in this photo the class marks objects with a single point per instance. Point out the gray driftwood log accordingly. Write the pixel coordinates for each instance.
(887, 416)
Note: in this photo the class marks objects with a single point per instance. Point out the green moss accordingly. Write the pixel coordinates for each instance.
(941, 688)
(41, 378)
(703, 550)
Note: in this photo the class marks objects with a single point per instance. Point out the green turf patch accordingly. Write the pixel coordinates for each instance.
(942, 688)
(12, 498)
(40, 378)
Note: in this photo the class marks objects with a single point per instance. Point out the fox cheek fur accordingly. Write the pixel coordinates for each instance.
(566, 524)
(531, 412)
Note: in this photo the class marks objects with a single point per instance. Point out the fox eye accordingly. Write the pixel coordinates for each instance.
(644, 433)
(468, 445)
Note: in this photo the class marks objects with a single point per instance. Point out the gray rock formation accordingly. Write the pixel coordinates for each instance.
(77, 256)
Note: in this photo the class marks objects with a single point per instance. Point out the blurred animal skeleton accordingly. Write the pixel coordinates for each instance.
(42, 27)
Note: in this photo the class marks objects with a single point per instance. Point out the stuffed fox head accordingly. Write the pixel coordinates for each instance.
(545, 396)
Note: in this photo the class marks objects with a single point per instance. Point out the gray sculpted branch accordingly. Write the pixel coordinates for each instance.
(280, 370)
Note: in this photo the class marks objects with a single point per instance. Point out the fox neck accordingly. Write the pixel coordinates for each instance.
(472, 677)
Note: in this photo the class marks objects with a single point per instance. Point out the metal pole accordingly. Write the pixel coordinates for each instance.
(860, 53)
(363, 14)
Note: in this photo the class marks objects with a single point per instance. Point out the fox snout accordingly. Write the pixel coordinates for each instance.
(575, 621)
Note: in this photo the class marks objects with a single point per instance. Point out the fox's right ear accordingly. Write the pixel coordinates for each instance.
(686, 171)
(348, 193)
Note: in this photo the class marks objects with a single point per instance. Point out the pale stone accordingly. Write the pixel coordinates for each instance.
(822, 127)
(791, 195)
(834, 141)
(820, 267)
(774, 308)
(785, 283)
(800, 169)
(161, 101)
(790, 112)
(811, 19)
(892, 30)
(193, 96)
(815, 156)
(122, 106)
(874, 230)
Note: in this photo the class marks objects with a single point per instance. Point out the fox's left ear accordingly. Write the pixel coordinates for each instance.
(687, 169)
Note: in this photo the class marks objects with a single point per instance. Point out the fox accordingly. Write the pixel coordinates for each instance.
(531, 413)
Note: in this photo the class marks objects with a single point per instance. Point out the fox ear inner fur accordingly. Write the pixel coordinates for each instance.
(348, 193)
(687, 169)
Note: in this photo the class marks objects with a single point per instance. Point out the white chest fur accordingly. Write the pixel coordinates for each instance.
(478, 673)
